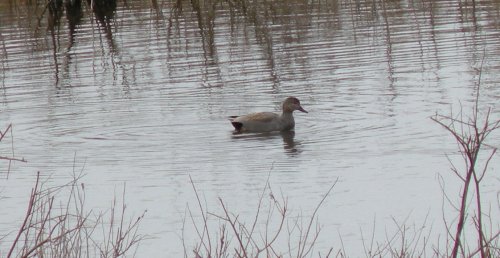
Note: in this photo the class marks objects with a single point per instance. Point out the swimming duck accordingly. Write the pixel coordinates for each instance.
(268, 121)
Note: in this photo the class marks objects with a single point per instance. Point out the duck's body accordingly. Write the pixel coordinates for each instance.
(268, 121)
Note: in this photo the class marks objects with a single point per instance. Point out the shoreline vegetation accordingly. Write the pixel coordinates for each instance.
(57, 223)
(60, 225)
(55, 227)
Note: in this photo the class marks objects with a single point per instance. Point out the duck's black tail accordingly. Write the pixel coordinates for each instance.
(237, 125)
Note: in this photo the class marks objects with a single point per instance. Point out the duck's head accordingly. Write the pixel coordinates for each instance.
(291, 104)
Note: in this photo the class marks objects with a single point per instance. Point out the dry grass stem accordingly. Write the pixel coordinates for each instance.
(12, 156)
(237, 239)
(53, 228)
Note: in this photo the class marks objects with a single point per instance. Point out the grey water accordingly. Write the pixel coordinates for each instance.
(137, 95)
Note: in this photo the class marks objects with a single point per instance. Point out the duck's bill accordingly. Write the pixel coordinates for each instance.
(303, 110)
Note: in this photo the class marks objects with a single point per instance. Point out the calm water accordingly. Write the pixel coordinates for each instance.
(139, 96)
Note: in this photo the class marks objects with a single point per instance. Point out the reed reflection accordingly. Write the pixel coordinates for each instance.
(55, 9)
(74, 15)
(104, 11)
(285, 33)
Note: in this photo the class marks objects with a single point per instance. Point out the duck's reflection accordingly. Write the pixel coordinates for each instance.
(289, 144)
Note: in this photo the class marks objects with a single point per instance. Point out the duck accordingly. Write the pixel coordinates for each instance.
(268, 121)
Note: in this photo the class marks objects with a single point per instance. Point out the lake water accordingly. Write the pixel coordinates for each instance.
(138, 94)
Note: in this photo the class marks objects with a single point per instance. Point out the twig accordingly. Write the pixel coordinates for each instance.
(302, 252)
(31, 202)
(233, 226)
(205, 220)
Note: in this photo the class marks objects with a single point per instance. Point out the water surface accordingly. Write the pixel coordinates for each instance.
(138, 94)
